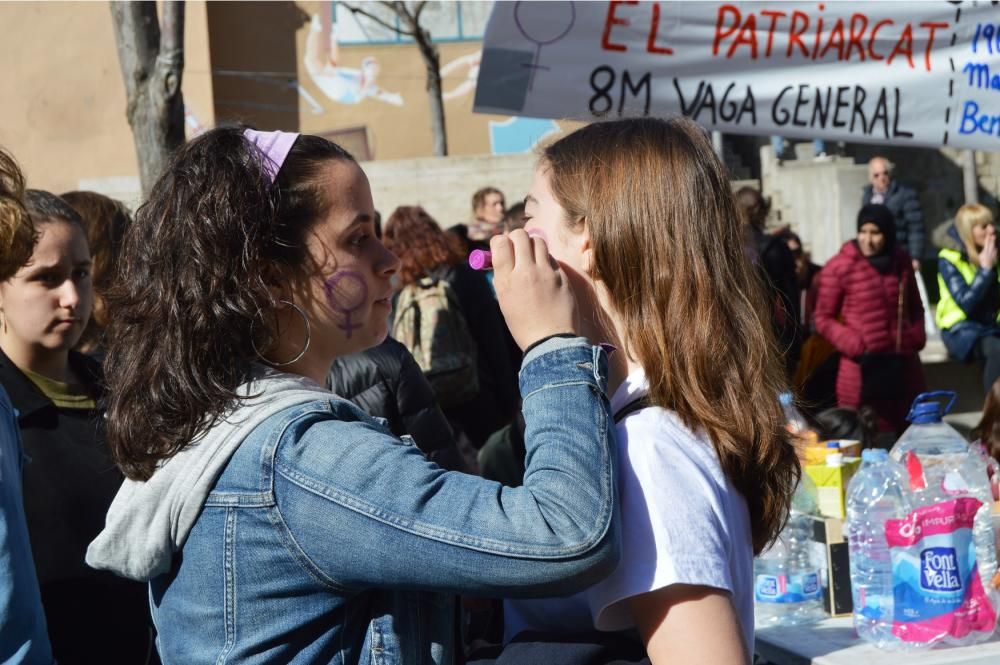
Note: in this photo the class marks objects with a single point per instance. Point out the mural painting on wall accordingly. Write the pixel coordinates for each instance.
(343, 85)
(334, 27)
(519, 134)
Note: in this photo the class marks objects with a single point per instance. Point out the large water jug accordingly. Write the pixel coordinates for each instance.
(941, 465)
(876, 494)
(943, 552)
(787, 582)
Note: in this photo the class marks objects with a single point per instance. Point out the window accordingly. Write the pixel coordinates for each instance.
(446, 20)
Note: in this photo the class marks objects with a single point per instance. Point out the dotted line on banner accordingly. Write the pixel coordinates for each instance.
(951, 81)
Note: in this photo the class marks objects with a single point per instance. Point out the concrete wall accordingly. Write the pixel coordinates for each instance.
(63, 114)
(820, 200)
(444, 186)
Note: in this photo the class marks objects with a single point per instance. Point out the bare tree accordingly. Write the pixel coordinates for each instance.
(409, 26)
(151, 56)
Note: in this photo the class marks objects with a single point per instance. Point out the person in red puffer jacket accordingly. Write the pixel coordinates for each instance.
(868, 305)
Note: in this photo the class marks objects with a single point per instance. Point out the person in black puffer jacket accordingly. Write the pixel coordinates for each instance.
(387, 383)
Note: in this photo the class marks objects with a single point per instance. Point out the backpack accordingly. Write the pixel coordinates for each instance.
(429, 322)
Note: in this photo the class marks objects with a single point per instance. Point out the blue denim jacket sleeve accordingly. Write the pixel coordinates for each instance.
(23, 635)
(360, 508)
(967, 296)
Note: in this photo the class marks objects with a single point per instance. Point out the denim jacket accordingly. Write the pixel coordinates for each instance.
(327, 540)
(23, 637)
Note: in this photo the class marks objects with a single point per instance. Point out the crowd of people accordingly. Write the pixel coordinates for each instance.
(259, 423)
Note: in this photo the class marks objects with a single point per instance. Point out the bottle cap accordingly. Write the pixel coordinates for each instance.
(874, 455)
(925, 410)
(833, 444)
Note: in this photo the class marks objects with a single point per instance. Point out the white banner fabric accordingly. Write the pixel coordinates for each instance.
(906, 73)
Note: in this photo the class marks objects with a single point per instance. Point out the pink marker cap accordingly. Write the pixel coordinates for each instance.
(480, 259)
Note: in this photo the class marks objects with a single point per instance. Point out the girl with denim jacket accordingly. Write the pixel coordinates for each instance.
(274, 521)
(641, 216)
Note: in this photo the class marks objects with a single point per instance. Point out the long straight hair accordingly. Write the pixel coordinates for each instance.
(669, 247)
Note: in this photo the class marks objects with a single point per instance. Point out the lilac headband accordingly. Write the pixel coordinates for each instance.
(275, 147)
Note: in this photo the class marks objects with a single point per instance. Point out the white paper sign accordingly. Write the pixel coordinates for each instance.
(906, 73)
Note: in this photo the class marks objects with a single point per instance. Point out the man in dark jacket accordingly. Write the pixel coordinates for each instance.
(386, 382)
(902, 201)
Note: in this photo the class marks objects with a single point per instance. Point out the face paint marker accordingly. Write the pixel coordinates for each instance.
(480, 259)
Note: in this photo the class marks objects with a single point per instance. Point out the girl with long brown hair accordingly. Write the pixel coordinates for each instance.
(640, 215)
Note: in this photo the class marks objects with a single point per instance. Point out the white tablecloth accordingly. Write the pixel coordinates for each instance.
(834, 642)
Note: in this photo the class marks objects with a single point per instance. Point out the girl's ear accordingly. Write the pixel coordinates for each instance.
(587, 251)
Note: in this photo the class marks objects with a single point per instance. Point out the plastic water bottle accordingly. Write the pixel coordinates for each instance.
(795, 422)
(787, 586)
(805, 500)
(941, 465)
(875, 494)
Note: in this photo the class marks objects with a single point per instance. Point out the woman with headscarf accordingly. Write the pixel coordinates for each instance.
(869, 308)
(967, 313)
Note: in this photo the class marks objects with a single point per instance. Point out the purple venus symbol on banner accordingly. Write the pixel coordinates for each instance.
(530, 19)
(346, 292)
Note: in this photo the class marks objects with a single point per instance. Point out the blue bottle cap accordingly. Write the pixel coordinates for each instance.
(833, 444)
(785, 398)
(926, 410)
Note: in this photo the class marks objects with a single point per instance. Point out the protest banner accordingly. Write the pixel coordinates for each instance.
(914, 73)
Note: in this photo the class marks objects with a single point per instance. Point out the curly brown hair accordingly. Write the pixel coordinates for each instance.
(417, 239)
(17, 233)
(195, 273)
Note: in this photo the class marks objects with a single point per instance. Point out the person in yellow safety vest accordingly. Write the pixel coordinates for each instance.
(967, 313)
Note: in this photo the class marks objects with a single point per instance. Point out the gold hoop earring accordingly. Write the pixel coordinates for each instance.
(305, 348)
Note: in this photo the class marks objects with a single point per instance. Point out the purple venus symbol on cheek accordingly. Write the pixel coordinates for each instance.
(346, 292)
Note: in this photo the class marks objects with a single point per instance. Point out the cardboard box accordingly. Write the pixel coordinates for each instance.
(830, 553)
(831, 485)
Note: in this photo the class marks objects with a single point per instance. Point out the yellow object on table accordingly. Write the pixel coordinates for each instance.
(812, 451)
(831, 485)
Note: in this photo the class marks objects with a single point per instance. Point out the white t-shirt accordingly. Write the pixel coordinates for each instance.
(683, 522)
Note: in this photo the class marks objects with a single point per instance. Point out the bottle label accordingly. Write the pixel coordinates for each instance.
(937, 591)
(796, 588)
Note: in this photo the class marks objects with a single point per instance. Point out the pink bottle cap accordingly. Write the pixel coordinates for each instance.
(480, 259)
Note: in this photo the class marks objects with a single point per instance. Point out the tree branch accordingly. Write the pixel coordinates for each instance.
(376, 19)
(172, 32)
(418, 11)
(137, 38)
